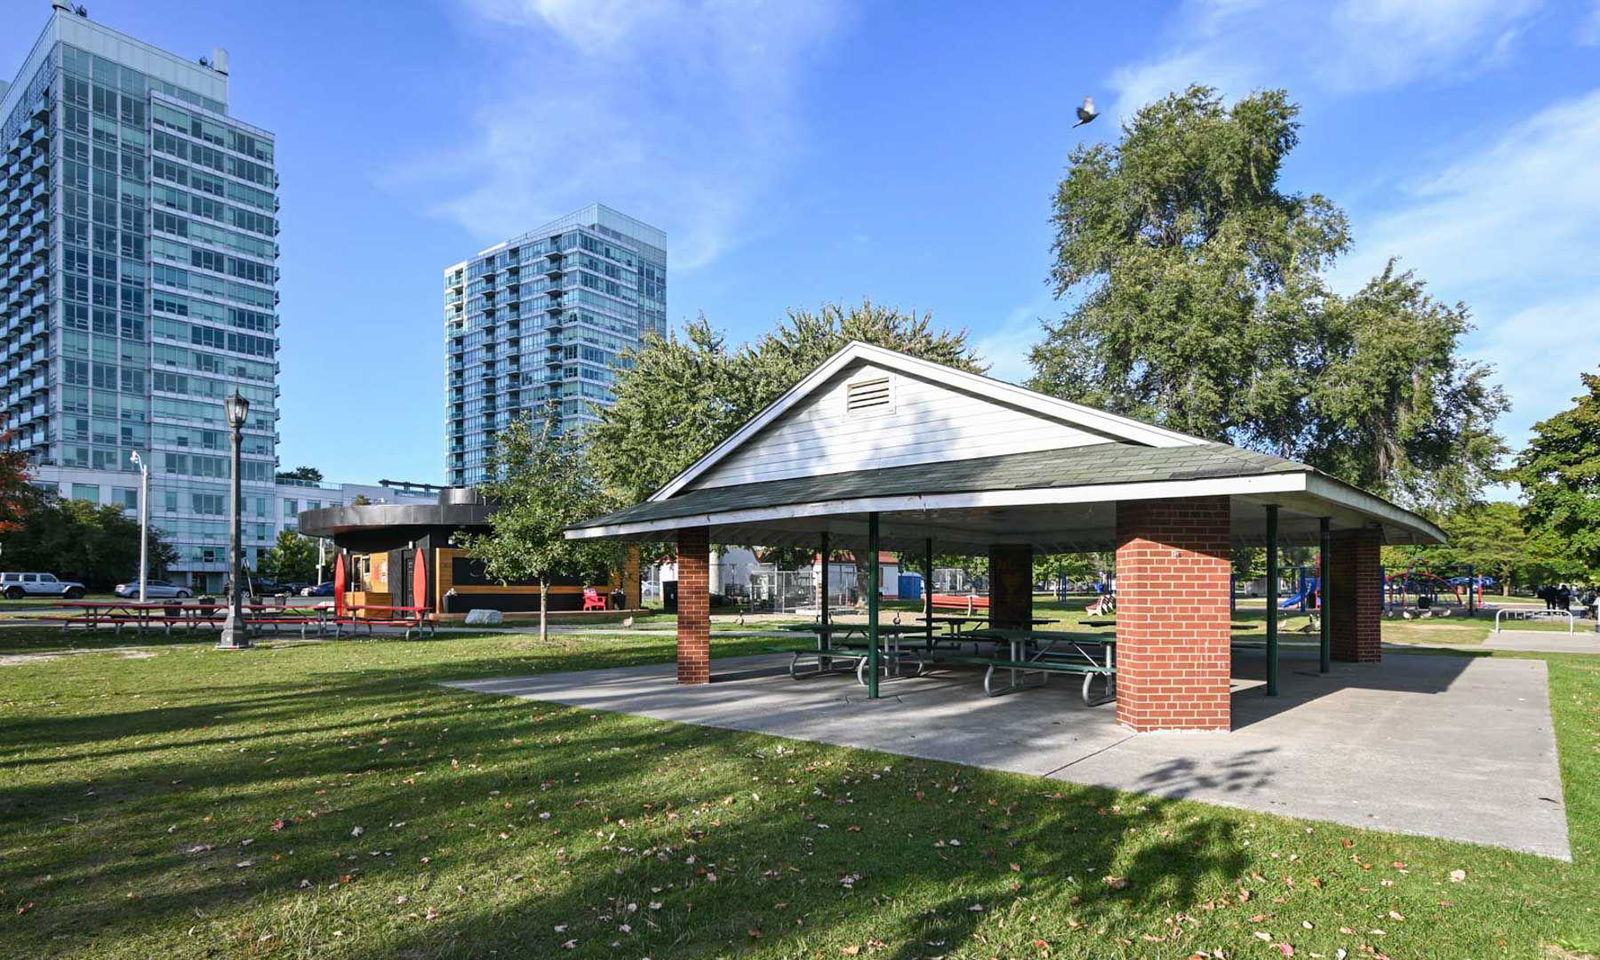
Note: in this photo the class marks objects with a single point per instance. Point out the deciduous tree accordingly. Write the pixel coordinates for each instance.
(1560, 475)
(1197, 301)
(292, 558)
(540, 484)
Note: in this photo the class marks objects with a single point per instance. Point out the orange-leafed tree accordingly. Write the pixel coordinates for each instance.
(16, 495)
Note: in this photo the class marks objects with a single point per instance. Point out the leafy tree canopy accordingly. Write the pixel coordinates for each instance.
(1492, 538)
(78, 540)
(541, 483)
(292, 558)
(683, 396)
(17, 495)
(308, 474)
(1197, 301)
(1560, 475)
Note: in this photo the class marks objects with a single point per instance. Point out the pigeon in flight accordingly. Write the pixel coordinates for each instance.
(1087, 112)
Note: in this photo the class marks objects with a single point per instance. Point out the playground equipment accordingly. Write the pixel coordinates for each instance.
(1305, 594)
(1433, 592)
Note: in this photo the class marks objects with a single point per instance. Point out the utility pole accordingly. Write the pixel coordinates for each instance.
(144, 521)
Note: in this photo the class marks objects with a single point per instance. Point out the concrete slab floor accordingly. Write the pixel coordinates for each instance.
(1455, 747)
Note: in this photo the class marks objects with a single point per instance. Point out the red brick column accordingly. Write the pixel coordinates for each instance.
(1011, 586)
(694, 606)
(1355, 596)
(1173, 660)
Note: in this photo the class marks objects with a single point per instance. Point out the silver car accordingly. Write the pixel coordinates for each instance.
(16, 586)
(153, 590)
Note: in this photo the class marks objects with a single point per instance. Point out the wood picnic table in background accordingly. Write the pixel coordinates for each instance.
(418, 619)
(96, 614)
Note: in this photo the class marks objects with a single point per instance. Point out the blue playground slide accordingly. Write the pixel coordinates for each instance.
(1308, 592)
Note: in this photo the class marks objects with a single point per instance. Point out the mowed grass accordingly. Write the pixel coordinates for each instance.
(328, 800)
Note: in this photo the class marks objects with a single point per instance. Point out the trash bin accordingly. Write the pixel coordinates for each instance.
(669, 596)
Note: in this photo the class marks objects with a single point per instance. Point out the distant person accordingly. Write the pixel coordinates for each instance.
(1564, 598)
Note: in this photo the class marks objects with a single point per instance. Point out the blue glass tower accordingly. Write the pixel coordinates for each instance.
(138, 283)
(537, 325)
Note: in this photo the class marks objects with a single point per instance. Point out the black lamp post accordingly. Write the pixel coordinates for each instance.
(235, 634)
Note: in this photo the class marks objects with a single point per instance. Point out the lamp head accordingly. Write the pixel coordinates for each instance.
(134, 458)
(237, 408)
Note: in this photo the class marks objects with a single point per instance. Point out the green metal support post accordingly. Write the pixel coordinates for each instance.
(874, 573)
(825, 641)
(823, 615)
(927, 588)
(1325, 640)
(1272, 600)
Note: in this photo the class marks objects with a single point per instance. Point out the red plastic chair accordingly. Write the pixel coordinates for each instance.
(592, 599)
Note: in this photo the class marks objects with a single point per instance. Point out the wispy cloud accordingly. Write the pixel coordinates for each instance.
(1349, 46)
(1512, 228)
(681, 112)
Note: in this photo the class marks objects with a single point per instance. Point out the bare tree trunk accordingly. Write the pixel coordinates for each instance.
(544, 610)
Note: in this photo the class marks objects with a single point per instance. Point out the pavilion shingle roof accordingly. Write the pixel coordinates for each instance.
(1103, 463)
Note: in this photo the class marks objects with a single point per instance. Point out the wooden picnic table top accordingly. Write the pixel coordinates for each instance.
(388, 607)
(161, 606)
(1050, 635)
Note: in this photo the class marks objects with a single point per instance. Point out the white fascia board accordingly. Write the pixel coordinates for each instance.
(1097, 421)
(1326, 487)
(1100, 493)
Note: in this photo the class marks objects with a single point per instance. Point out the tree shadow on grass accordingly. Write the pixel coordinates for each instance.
(134, 842)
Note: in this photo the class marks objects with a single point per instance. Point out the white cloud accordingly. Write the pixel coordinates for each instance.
(1513, 229)
(1004, 346)
(1348, 46)
(681, 112)
(1589, 30)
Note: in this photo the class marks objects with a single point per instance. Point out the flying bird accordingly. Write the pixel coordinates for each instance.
(1087, 112)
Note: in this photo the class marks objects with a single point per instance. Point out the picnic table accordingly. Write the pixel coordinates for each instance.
(956, 623)
(1035, 655)
(413, 618)
(117, 614)
(834, 647)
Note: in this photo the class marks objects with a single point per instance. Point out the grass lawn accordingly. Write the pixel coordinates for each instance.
(327, 800)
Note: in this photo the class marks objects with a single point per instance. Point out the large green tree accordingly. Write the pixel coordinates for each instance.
(292, 558)
(1493, 538)
(1560, 475)
(684, 395)
(1197, 300)
(78, 540)
(541, 483)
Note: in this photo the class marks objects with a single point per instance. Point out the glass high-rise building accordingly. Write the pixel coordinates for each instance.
(537, 325)
(138, 284)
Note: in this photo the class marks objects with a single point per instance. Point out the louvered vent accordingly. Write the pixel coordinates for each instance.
(865, 396)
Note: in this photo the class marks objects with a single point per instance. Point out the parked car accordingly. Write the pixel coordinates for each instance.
(16, 586)
(153, 590)
(293, 587)
(324, 589)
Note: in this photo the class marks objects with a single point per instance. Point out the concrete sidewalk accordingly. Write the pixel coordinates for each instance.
(1455, 747)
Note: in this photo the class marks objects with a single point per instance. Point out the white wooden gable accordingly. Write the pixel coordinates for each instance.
(868, 408)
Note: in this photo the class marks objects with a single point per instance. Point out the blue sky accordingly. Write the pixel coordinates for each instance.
(803, 152)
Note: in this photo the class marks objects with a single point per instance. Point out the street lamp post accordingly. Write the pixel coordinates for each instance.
(144, 521)
(235, 634)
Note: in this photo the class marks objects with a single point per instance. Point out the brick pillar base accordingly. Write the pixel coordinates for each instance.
(1355, 596)
(630, 579)
(1011, 586)
(694, 606)
(1173, 658)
